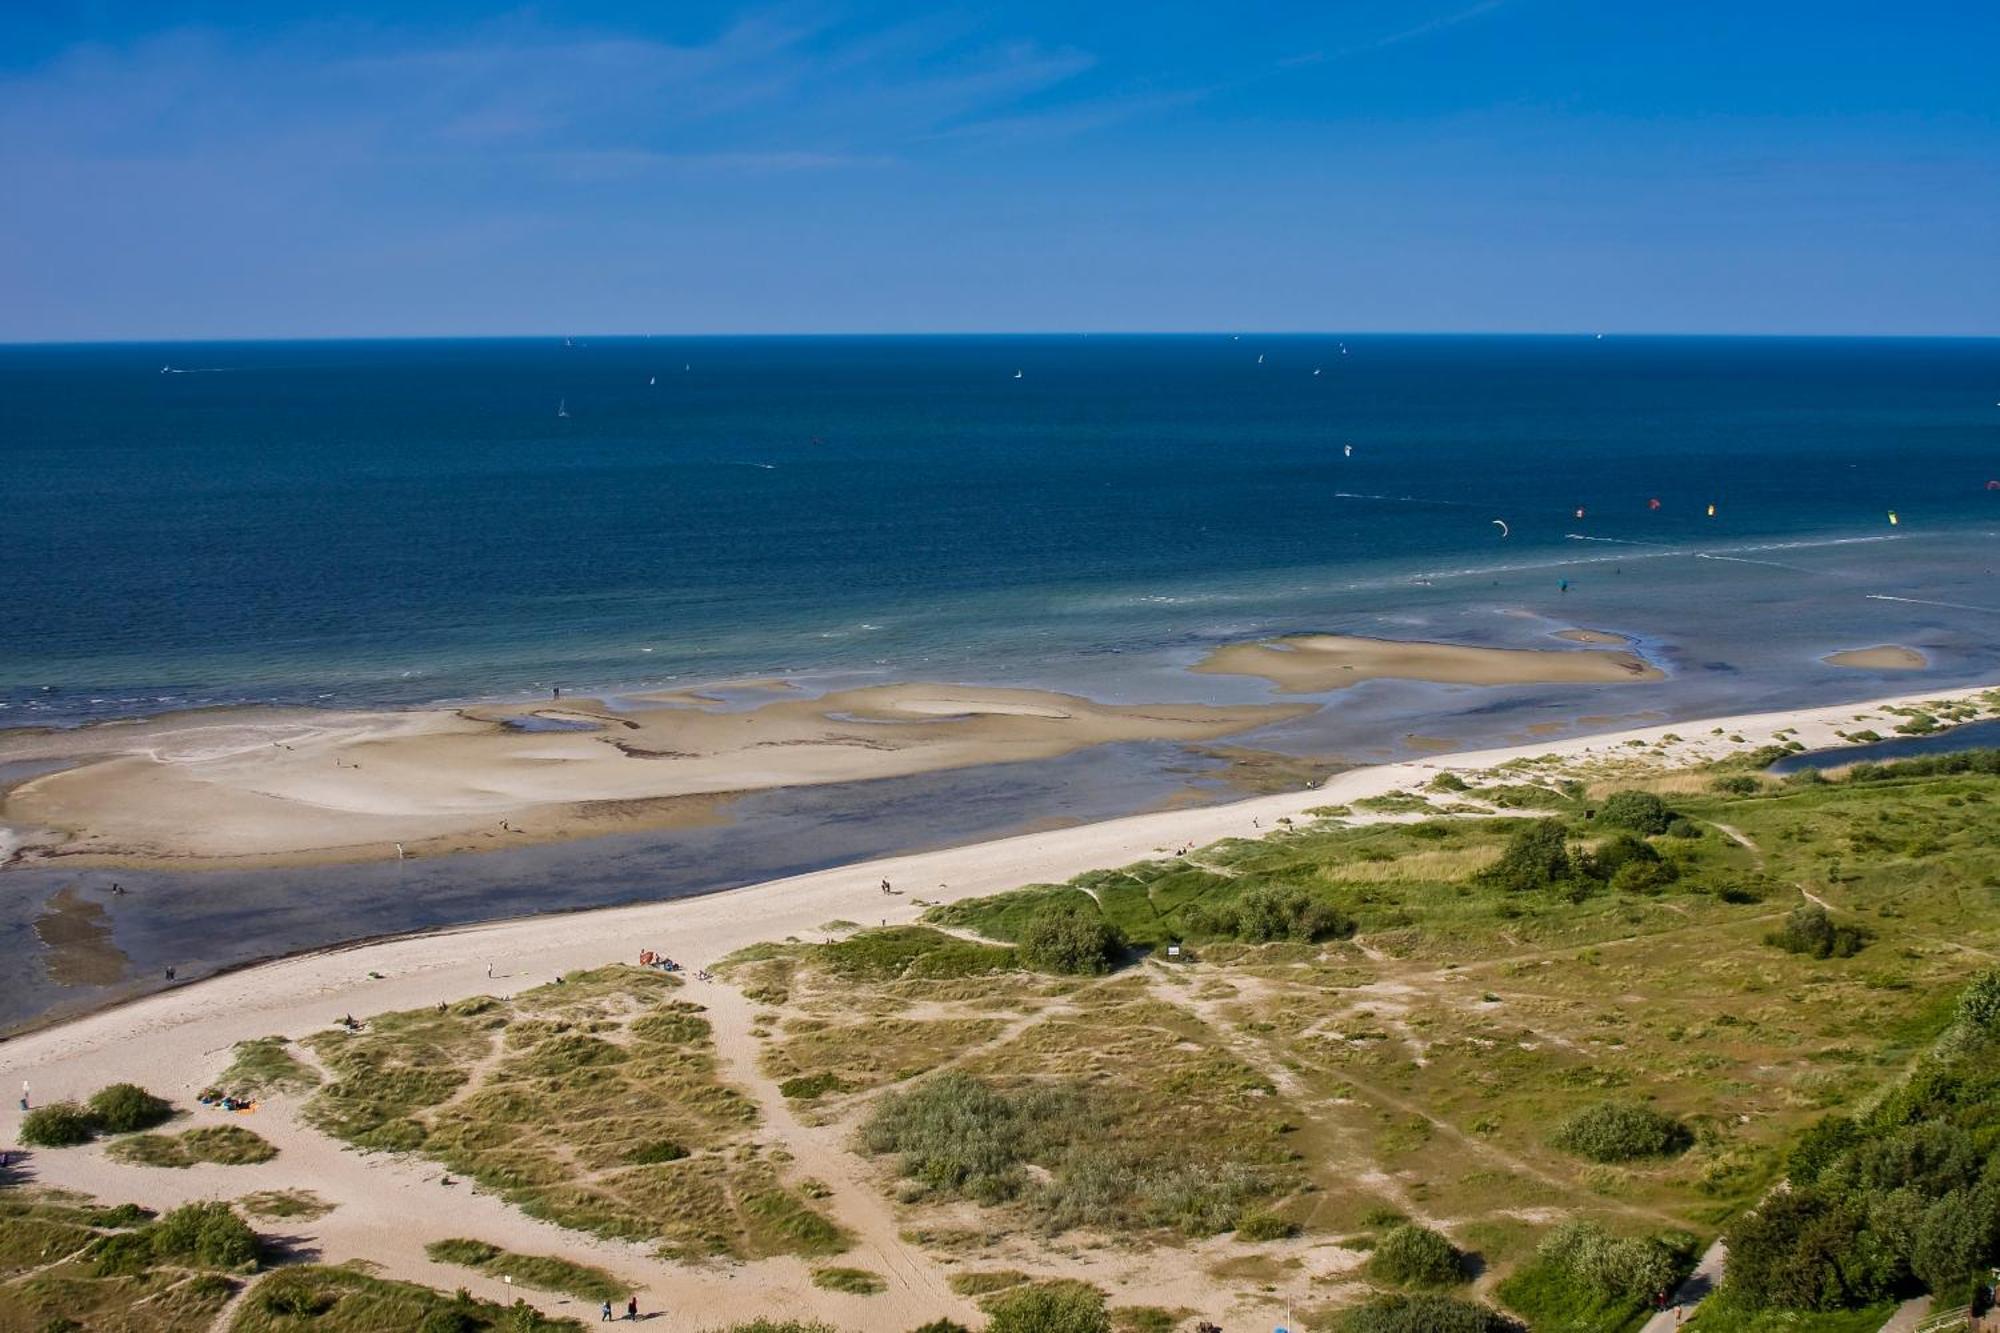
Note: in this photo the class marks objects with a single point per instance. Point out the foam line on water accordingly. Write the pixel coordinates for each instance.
(1920, 601)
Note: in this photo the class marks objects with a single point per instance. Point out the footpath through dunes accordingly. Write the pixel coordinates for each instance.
(278, 788)
(1214, 1135)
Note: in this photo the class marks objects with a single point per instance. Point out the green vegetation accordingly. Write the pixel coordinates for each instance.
(1422, 1313)
(1906, 1193)
(1809, 930)
(285, 1205)
(1583, 1279)
(1536, 857)
(58, 1125)
(1620, 1132)
(64, 1258)
(1049, 1307)
(595, 1104)
(1268, 912)
(957, 1136)
(1067, 938)
(779, 1326)
(224, 1145)
(263, 1067)
(1642, 812)
(344, 1300)
(1416, 1256)
(124, 1108)
(853, 1281)
(985, 1284)
(544, 1272)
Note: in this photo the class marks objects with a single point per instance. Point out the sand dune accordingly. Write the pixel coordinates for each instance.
(276, 787)
(1311, 663)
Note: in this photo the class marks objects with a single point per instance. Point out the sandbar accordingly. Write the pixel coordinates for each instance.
(275, 788)
(1313, 663)
(1597, 636)
(1882, 657)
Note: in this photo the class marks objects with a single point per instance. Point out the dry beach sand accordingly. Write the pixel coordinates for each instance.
(1310, 663)
(274, 787)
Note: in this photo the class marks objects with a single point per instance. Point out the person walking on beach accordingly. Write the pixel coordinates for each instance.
(632, 1309)
(604, 1315)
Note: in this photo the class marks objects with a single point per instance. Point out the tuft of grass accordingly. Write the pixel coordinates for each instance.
(853, 1281)
(346, 1300)
(285, 1205)
(222, 1145)
(988, 1282)
(543, 1272)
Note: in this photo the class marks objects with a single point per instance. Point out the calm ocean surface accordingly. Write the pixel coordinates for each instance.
(405, 522)
(399, 523)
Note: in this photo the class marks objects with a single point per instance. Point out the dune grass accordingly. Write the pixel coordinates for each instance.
(223, 1145)
(63, 1257)
(263, 1067)
(285, 1205)
(345, 1300)
(852, 1281)
(544, 1272)
(596, 1105)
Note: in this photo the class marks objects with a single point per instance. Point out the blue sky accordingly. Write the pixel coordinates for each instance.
(258, 169)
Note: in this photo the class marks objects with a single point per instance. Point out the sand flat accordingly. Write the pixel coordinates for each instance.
(219, 790)
(1596, 636)
(1882, 657)
(1312, 663)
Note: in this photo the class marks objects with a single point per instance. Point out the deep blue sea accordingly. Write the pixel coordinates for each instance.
(404, 522)
(401, 523)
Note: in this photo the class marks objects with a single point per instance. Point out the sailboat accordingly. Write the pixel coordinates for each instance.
(562, 409)
(651, 380)
(1017, 374)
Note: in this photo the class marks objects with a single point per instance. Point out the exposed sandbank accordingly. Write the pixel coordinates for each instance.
(278, 788)
(1312, 663)
(1597, 636)
(1882, 657)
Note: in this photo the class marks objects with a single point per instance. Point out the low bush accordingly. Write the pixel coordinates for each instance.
(961, 1136)
(1424, 1313)
(1411, 1255)
(853, 1281)
(1260, 1225)
(1269, 912)
(1049, 1307)
(58, 1125)
(1621, 1132)
(1640, 811)
(124, 1108)
(207, 1234)
(1072, 939)
(1536, 857)
(1810, 930)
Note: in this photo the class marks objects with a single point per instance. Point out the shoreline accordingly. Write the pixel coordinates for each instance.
(717, 925)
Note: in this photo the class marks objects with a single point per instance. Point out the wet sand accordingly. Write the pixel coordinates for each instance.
(1313, 663)
(1596, 636)
(276, 788)
(1882, 657)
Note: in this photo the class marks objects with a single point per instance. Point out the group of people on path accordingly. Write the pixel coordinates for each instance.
(605, 1315)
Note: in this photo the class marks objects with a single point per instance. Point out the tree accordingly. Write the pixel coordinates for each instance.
(1423, 1313)
(1070, 939)
(1640, 811)
(1952, 1240)
(208, 1234)
(1621, 1131)
(1801, 1250)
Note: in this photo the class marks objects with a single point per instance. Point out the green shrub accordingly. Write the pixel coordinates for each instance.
(1416, 1256)
(58, 1125)
(1809, 930)
(1608, 1265)
(208, 1234)
(1620, 1132)
(123, 1108)
(1536, 856)
(1268, 912)
(1071, 939)
(781, 1326)
(941, 1326)
(1640, 811)
(1050, 1307)
(959, 1135)
(1736, 784)
(1423, 1313)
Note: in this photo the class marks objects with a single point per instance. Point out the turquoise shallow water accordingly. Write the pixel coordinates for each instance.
(403, 522)
(406, 523)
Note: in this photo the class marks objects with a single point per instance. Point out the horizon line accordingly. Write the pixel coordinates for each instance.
(771, 335)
